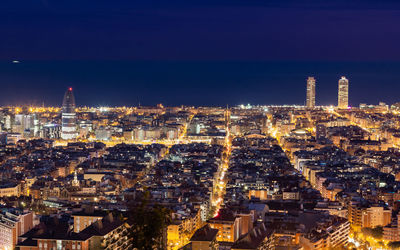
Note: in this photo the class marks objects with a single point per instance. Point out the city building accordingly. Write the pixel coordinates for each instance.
(310, 92)
(227, 225)
(13, 138)
(368, 216)
(323, 232)
(13, 223)
(24, 124)
(10, 189)
(103, 134)
(284, 179)
(108, 233)
(343, 93)
(68, 130)
(51, 131)
(86, 217)
(204, 238)
(320, 131)
(391, 232)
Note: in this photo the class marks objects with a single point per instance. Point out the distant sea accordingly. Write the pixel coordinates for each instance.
(198, 83)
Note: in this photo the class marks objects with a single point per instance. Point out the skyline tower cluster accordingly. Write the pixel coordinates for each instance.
(68, 130)
(343, 92)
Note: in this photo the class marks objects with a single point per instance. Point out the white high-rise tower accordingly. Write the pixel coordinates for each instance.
(343, 93)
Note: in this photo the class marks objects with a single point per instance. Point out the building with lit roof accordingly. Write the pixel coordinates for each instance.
(68, 130)
(343, 93)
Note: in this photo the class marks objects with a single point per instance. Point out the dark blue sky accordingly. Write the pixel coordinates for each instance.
(209, 52)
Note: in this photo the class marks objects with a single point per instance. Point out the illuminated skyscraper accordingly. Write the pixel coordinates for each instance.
(68, 130)
(310, 92)
(343, 93)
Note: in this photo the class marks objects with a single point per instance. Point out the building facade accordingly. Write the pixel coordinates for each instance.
(228, 226)
(68, 130)
(391, 232)
(10, 189)
(14, 223)
(310, 92)
(343, 93)
(372, 216)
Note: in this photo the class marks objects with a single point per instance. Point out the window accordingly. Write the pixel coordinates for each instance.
(59, 245)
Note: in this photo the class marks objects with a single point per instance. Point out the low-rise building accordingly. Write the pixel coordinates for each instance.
(227, 225)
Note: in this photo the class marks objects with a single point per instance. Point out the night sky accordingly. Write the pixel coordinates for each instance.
(208, 52)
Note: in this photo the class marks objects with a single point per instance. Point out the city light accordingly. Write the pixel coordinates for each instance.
(216, 125)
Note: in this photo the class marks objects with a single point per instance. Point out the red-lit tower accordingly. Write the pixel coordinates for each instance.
(68, 130)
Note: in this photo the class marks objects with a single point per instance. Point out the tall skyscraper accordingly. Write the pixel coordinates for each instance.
(343, 93)
(310, 92)
(68, 130)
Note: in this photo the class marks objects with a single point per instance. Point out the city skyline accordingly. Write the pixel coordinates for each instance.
(174, 83)
(200, 124)
(218, 170)
(230, 52)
